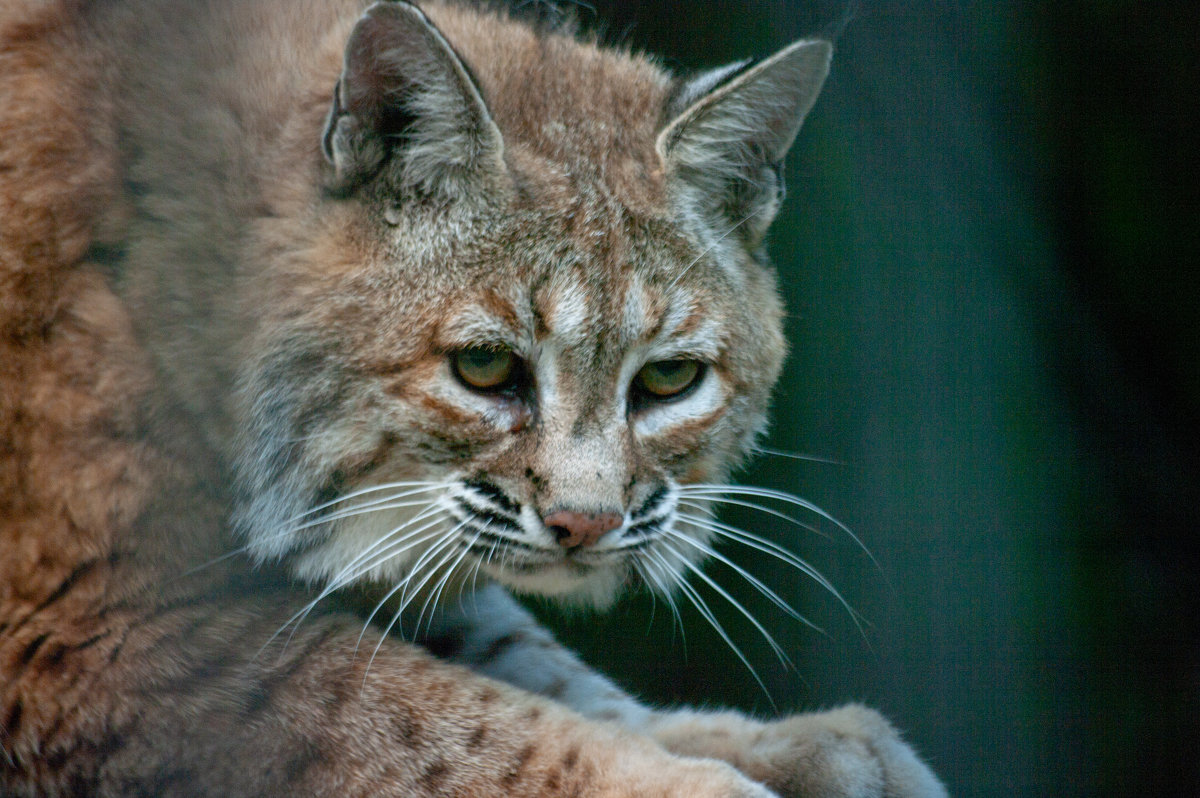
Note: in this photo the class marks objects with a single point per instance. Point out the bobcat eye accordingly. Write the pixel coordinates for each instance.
(484, 368)
(667, 379)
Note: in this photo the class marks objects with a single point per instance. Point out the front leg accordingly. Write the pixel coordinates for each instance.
(850, 752)
(491, 633)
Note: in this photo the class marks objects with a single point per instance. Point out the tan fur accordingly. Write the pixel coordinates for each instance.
(206, 322)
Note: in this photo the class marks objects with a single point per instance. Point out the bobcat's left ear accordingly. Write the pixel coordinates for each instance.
(724, 148)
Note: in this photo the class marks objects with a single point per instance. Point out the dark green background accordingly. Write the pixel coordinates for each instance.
(989, 256)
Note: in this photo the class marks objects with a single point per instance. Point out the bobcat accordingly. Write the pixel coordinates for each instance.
(314, 312)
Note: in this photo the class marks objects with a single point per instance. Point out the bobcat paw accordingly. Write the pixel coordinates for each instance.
(851, 752)
(650, 772)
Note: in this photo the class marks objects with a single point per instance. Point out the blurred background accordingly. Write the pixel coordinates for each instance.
(989, 257)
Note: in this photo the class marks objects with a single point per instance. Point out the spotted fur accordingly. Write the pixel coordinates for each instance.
(242, 243)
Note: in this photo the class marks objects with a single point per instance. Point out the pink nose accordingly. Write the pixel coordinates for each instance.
(572, 529)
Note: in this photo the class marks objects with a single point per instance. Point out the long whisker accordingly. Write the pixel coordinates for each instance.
(418, 486)
(479, 562)
(755, 506)
(754, 581)
(641, 568)
(288, 527)
(348, 575)
(384, 549)
(702, 607)
(229, 555)
(707, 490)
(382, 552)
(723, 593)
(390, 502)
(378, 505)
(774, 550)
(810, 458)
(712, 246)
(470, 574)
(406, 598)
(653, 596)
(431, 602)
(403, 583)
(658, 588)
(388, 550)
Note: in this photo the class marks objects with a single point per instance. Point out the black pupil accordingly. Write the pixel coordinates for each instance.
(672, 370)
(481, 358)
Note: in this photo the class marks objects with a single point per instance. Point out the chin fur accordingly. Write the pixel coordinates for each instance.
(596, 589)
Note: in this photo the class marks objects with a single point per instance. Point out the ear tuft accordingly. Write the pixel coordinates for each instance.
(407, 107)
(724, 149)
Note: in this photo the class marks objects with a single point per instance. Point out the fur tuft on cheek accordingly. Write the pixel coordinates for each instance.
(294, 402)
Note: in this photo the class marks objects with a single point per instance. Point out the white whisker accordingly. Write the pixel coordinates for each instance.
(377, 506)
(723, 593)
(754, 506)
(406, 597)
(349, 575)
(702, 607)
(403, 583)
(712, 246)
(431, 602)
(774, 550)
(711, 490)
(754, 581)
(651, 577)
(288, 527)
(388, 550)
(810, 458)
(416, 486)
(479, 562)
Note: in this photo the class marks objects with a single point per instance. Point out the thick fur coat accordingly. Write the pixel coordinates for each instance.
(259, 257)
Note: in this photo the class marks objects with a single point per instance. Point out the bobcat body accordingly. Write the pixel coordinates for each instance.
(315, 310)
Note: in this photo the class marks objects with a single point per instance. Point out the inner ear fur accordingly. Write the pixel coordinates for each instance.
(406, 108)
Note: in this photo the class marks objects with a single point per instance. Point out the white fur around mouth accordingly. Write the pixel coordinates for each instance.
(566, 579)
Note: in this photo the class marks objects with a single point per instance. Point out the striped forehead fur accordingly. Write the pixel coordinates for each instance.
(573, 315)
(566, 105)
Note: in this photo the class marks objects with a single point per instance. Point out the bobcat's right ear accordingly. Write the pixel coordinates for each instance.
(732, 127)
(406, 105)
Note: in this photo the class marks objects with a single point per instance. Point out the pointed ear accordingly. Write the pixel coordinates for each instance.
(731, 128)
(407, 107)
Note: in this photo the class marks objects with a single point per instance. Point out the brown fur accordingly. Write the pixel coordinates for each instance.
(138, 179)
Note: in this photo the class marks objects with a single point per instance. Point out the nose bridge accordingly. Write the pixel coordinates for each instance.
(582, 456)
(584, 469)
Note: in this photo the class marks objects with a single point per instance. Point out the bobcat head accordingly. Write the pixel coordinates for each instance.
(524, 312)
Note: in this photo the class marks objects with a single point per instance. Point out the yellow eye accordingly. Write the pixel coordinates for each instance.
(484, 368)
(665, 379)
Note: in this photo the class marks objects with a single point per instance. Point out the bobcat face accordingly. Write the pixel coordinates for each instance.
(534, 422)
(500, 345)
